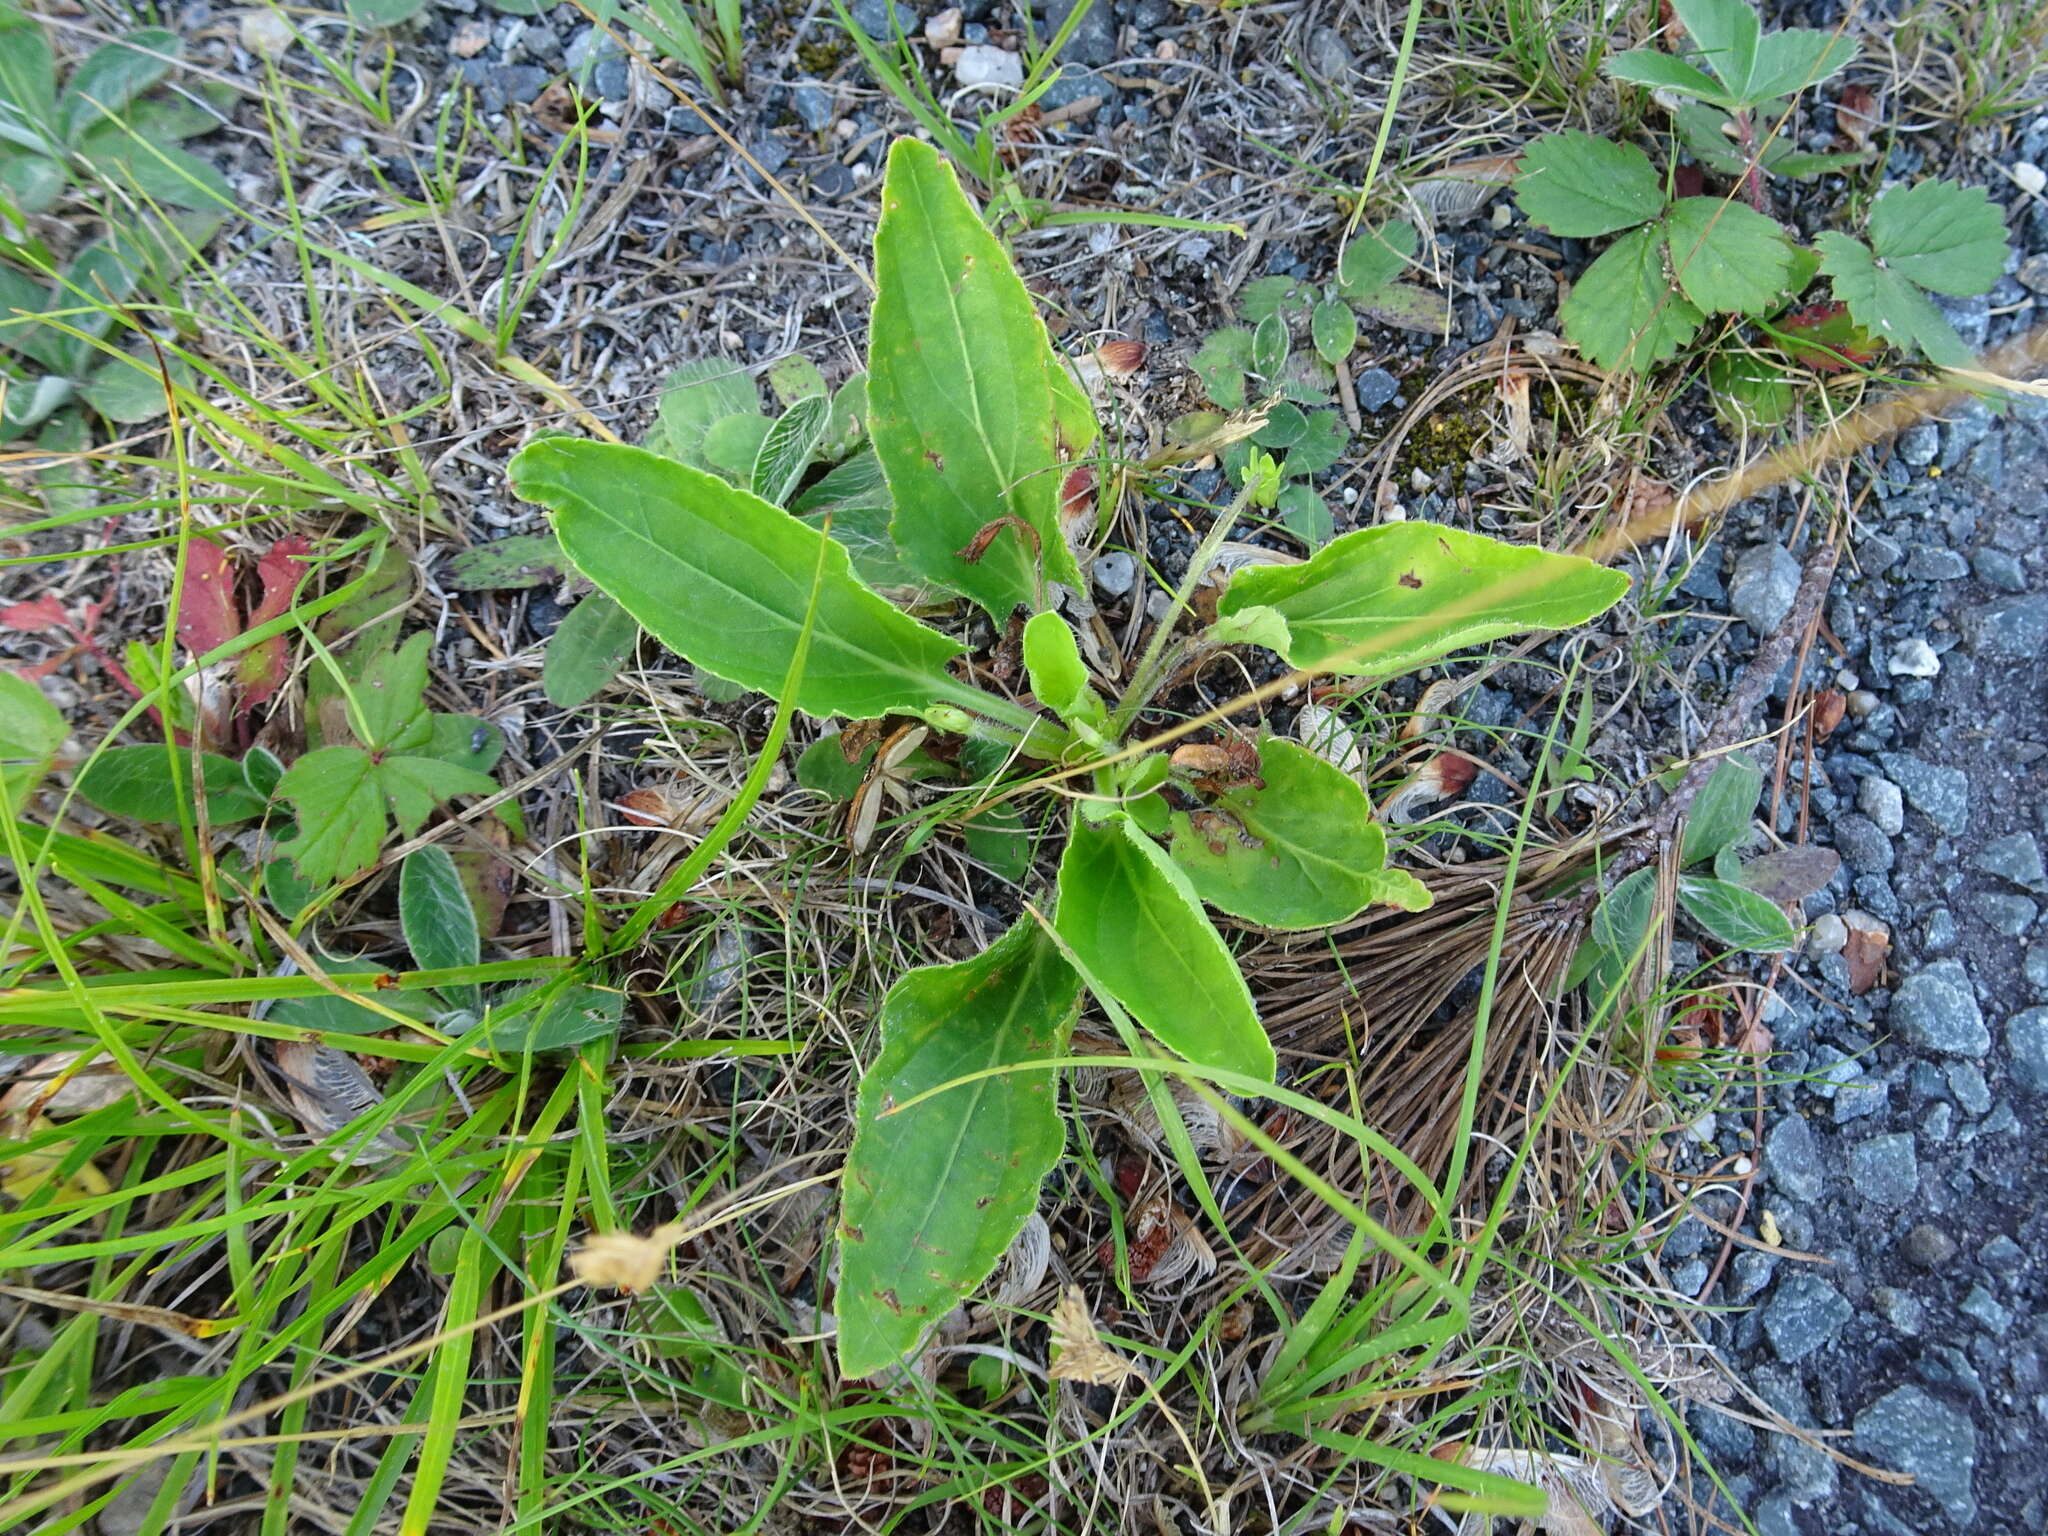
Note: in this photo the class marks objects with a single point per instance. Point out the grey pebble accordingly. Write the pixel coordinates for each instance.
(2004, 912)
(1376, 389)
(1995, 568)
(1804, 1314)
(1863, 845)
(1760, 592)
(1878, 554)
(1966, 1082)
(872, 17)
(2002, 1253)
(2013, 630)
(1911, 1431)
(2037, 968)
(1865, 1096)
(1919, 444)
(1884, 1170)
(1939, 1121)
(1881, 800)
(1935, 564)
(1902, 1309)
(1940, 794)
(1981, 1306)
(814, 105)
(1792, 1159)
(2026, 1042)
(1936, 1009)
(1115, 573)
(2015, 857)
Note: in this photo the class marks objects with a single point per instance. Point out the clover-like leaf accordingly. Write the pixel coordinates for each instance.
(1623, 312)
(1941, 236)
(1574, 184)
(1887, 303)
(1728, 258)
(345, 799)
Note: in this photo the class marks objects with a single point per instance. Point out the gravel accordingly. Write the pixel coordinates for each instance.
(2014, 630)
(1803, 1314)
(2017, 858)
(1910, 1431)
(1883, 802)
(1883, 1170)
(2026, 1049)
(1760, 592)
(1939, 793)
(1936, 1009)
(1793, 1161)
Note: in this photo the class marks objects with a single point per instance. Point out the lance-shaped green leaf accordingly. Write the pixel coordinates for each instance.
(1738, 917)
(960, 393)
(150, 783)
(1135, 922)
(113, 75)
(1298, 850)
(1721, 811)
(935, 1191)
(724, 579)
(1387, 599)
(1059, 677)
(786, 451)
(587, 650)
(31, 733)
(439, 923)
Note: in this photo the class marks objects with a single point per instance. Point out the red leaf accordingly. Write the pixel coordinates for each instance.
(261, 672)
(36, 613)
(207, 618)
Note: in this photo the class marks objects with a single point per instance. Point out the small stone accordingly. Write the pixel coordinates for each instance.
(1864, 1096)
(1884, 1170)
(1803, 1315)
(519, 82)
(1792, 1159)
(2033, 272)
(2037, 968)
(1929, 563)
(1928, 1246)
(1691, 1279)
(1938, 934)
(1094, 37)
(1761, 591)
(1996, 568)
(2015, 857)
(1828, 935)
(612, 79)
(875, 18)
(943, 30)
(2002, 1253)
(813, 105)
(1862, 845)
(268, 33)
(1882, 801)
(1966, 1082)
(2004, 912)
(2013, 630)
(1936, 1009)
(1910, 1431)
(1115, 573)
(1918, 444)
(1981, 1306)
(2026, 1043)
(2029, 177)
(1940, 794)
(1913, 658)
(983, 64)
(1878, 554)
(1902, 1309)
(1376, 389)
(1938, 1122)
(1863, 704)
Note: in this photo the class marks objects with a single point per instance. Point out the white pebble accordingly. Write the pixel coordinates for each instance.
(1914, 658)
(2031, 178)
(981, 64)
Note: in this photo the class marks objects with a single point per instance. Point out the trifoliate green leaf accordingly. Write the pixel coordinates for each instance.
(1941, 236)
(343, 794)
(1574, 184)
(1754, 67)
(1660, 71)
(1728, 257)
(1886, 304)
(1623, 312)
